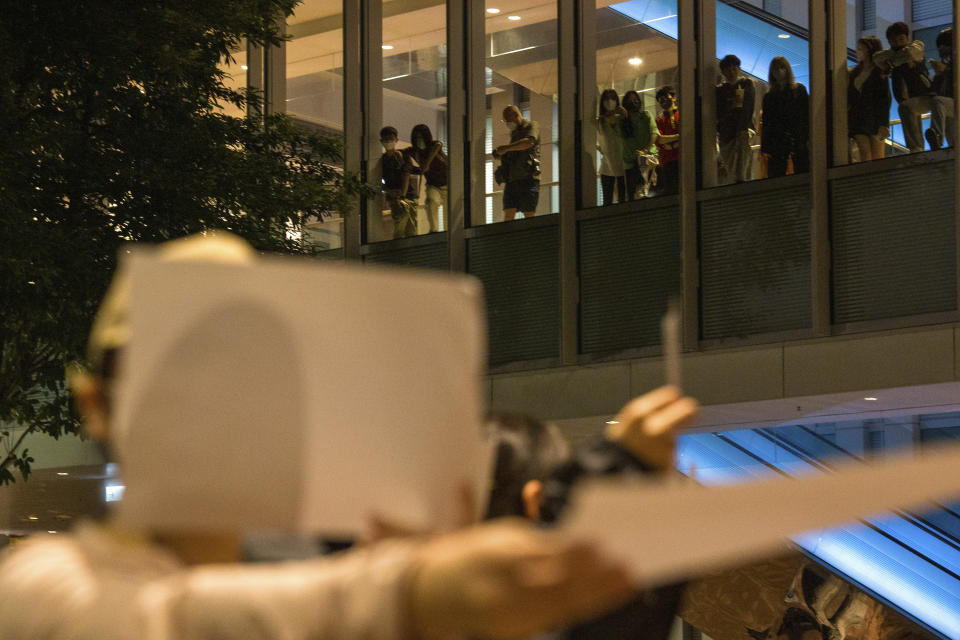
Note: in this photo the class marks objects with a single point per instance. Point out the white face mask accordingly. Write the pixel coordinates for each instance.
(511, 125)
(780, 74)
(389, 146)
(609, 105)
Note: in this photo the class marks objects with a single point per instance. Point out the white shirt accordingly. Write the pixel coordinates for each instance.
(98, 585)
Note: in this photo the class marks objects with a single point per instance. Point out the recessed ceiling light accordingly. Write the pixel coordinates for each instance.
(493, 10)
(32, 518)
(635, 61)
(244, 67)
(387, 47)
(51, 531)
(513, 17)
(613, 422)
(871, 399)
(783, 36)
(31, 282)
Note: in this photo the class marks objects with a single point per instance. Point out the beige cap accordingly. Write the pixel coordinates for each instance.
(111, 328)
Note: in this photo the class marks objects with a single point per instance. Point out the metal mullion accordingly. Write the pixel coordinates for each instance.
(568, 17)
(476, 111)
(353, 118)
(956, 159)
(819, 150)
(457, 96)
(688, 57)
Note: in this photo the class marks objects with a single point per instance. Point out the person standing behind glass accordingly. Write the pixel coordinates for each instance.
(432, 162)
(868, 102)
(785, 121)
(668, 141)
(905, 63)
(399, 189)
(521, 162)
(609, 124)
(637, 131)
(735, 100)
(942, 86)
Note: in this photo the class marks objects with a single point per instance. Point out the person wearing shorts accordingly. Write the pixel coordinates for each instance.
(520, 159)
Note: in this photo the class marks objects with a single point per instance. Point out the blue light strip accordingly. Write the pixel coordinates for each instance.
(915, 586)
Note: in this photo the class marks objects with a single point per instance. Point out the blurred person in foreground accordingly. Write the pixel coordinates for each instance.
(536, 471)
(103, 581)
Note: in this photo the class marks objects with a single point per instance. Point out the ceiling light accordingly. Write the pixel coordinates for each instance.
(493, 10)
(513, 17)
(613, 422)
(62, 473)
(244, 67)
(387, 47)
(32, 518)
(783, 36)
(635, 61)
(871, 399)
(31, 282)
(51, 531)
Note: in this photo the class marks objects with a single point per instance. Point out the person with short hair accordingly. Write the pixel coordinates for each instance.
(905, 63)
(868, 102)
(668, 141)
(735, 102)
(400, 191)
(520, 160)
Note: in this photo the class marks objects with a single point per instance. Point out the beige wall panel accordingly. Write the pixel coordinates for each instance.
(874, 362)
(568, 392)
(720, 377)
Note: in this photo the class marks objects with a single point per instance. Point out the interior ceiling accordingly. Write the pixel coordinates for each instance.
(412, 25)
(834, 407)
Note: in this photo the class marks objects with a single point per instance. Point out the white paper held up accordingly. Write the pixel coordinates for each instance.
(672, 531)
(290, 394)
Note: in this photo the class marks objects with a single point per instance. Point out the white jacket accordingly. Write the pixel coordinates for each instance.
(95, 585)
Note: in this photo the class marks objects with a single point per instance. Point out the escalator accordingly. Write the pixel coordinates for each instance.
(909, 560)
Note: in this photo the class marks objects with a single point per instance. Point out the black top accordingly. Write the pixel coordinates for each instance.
(436, 173)
(943, 82)
(523, 164)
(650, 615)
(394, 166)
(785, 121)
(868, 108)
(734, 108)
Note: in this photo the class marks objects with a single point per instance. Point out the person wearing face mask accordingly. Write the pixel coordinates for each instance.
(609, 123)
(520, 160)
(868, 102)
(735, 100)
(668, 141)
(785, 122)
(638, 132)
(942, 86)
(431, 162)
(400, 191)
(905, 63)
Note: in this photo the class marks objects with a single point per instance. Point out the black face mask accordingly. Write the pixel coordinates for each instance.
(631, 106)
(946, 54)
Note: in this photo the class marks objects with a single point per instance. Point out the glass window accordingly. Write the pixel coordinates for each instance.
(314, 59)
(235, 69)
(635, 124)
(414, 128)
(761, 101)
(521, 152)
(899, 96)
